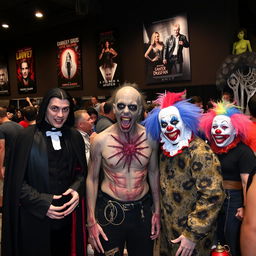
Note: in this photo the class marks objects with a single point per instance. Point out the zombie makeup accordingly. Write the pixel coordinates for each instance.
(127, 108)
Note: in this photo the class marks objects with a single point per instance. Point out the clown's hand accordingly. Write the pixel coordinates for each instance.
(186, 246)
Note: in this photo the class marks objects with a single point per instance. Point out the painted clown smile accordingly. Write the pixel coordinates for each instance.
(219, 139)
(172, 135)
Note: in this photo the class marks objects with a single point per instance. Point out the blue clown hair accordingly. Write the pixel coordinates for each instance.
(152, 124)
(189, 113)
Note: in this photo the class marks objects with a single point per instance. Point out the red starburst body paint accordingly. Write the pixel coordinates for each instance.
(129, 150)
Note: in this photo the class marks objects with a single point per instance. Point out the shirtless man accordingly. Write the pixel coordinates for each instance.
(124, 213)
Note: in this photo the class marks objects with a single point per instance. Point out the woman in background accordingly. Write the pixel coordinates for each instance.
(154, 52)
(107, 54)
(242, 45)
(107, 65)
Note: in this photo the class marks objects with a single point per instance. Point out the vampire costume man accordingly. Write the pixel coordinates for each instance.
(43, 210)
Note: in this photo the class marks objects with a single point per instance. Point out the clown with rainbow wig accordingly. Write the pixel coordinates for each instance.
(190, 177)
(226, 128)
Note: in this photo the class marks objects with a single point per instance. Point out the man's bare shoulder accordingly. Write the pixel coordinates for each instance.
(101, 137)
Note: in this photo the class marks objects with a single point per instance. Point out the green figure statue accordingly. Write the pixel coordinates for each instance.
(242, 45)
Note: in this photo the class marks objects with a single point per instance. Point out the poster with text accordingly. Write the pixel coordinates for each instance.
(166, 50)
(25, 66)
(4, 77)
(69, 64)
(108, 60)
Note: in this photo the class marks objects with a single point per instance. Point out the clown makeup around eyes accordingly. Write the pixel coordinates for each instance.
(171, 124)
(223, 132)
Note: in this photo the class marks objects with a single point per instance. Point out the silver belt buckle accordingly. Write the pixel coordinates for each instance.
(127, 207)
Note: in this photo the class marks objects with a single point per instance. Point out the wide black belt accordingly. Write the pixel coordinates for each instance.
(126, 205)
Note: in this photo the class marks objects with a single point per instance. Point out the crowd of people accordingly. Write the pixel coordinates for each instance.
(170, 178)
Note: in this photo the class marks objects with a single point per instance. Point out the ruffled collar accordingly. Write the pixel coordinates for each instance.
(178, 150)
(222, 150)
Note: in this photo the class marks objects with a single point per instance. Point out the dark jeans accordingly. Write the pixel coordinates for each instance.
(175, 65)
(228, 231)
(125, 223)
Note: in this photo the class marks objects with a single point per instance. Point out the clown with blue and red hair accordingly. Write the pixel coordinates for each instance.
(226, 129)
(190, 177)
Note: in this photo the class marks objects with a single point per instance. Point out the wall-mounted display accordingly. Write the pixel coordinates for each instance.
(108, 60)
(166, 50)
(4, 78)
(25, 66)
(69, 63)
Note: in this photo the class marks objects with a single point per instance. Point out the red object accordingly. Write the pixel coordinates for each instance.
(24, 123)
(221, 251)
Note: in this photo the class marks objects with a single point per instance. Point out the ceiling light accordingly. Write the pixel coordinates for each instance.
(5, 25)
(39, 14)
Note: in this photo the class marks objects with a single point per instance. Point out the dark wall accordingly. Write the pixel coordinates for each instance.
(211, 28)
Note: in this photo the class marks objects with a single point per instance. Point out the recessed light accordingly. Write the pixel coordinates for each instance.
(5, 25)
(39, 14)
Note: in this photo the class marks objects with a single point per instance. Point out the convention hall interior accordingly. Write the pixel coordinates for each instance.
(212, 27)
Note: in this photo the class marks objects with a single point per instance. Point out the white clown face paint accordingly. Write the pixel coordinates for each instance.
(222, 131)
(175, 135)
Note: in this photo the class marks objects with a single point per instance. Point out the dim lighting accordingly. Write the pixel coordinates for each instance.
(39, 14)
(5, 25)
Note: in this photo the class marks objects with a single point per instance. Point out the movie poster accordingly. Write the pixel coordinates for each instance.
(25, 66)
(166, 50)
(4, 77)
(69, 64)
(108, 60)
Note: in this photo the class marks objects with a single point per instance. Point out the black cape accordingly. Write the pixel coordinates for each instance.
(34, 223)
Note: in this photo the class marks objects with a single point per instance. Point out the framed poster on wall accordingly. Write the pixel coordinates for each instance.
(25, 66)
(4, 77)
(166, 50)
(108, 60)
(69, 63)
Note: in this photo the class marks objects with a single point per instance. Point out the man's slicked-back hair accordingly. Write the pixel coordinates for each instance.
(24, 61)
(78, 115)
(62, 95)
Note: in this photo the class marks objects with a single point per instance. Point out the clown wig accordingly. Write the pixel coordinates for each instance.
(240, 121)
(189, 113)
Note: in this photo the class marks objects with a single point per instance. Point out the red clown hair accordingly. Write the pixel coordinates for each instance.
(167, 99)
(240, 121)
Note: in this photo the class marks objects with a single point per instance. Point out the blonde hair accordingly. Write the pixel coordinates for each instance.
(152, 41)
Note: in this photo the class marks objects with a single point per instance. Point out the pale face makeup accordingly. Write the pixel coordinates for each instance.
(57, 112)
(223, 132)
(174, 134)
(127, 108)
